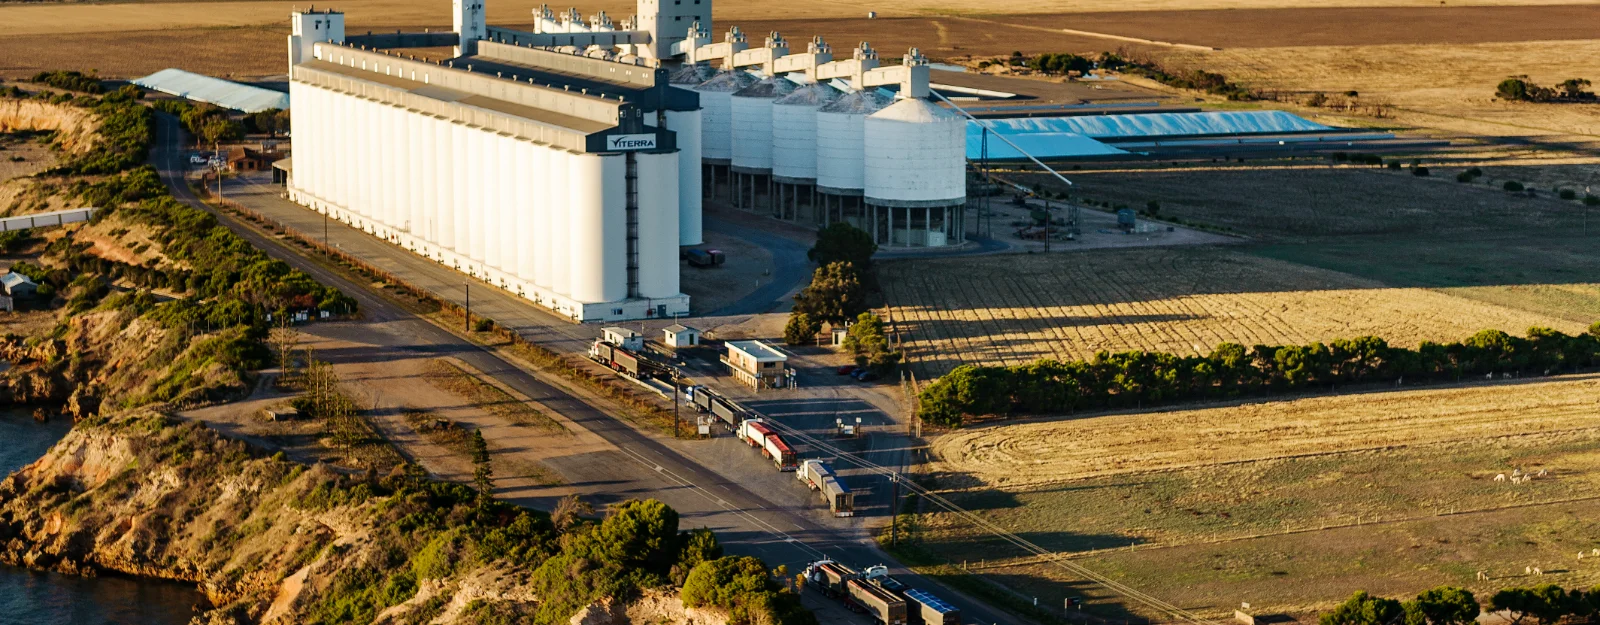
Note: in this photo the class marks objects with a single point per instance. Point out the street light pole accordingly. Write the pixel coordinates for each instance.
(674, 402)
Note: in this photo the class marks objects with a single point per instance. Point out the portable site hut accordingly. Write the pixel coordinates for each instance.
(678, 335)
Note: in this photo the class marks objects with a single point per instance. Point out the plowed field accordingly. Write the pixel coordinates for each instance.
(1015, 309)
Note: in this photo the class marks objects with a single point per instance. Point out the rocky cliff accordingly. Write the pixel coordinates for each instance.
(271, 541)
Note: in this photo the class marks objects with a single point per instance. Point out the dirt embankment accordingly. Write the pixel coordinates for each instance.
(76, 128)
(272, 541)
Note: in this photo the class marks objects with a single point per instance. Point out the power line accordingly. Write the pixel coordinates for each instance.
(1017, 541)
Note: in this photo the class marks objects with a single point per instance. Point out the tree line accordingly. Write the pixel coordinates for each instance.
(1544, 604)
(1521, 89)
(1136, 378)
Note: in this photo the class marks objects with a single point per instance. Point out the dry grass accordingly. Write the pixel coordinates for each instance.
(456, 439)
(1016, 309)
(1447, 87)
(450, 377)
(1289, 505)
(1034, 453)
(20, 157)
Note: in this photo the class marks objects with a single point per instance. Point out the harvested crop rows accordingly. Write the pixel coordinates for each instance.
(1016, 309)
(1034, 453)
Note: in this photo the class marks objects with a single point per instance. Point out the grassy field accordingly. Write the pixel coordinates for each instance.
(1251, 502)
(1015, 309)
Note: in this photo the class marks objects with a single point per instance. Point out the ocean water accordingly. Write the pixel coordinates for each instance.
(34, 598)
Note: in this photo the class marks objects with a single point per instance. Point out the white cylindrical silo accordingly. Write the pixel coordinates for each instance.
(299, 117)
(523, 178)
(688, 128)
(421, 132)
(490, 202)
(389, 153)
(510, 204)
(477, 146)
(427, 177)
(752, 123)
(461, 216)
(361, 154)
(915, 155)
(539, 235)
(839, 141)
(716, 115)
(561, 245)
(444, 209)
(658, 218)
(794, 133)
(598, 228)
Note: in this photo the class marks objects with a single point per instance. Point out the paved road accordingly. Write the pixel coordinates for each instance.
(643, 466)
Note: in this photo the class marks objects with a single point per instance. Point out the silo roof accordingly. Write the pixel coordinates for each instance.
(772, 87)
(810, 95)
(692, 74)
(859, 103)
(223, 93)
(727, 82)
(915, 111)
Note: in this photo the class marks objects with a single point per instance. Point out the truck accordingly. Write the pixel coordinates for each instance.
(879, 576)
(617, 358)
(829, 577)
(724, 410)
(883, 606)
(840, 500)
(701, 397)
(922, 608)
(820, 477)
(705, 258)
(781, 453)
(754, 432)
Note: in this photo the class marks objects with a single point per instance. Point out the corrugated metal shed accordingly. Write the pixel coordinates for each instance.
(223, 93)
(1162, 124)
(1038, 144)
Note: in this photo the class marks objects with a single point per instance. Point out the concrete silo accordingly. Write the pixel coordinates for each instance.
(840, 151)
(914, 174)
(752, 139)
(794, 152)
(716, 121)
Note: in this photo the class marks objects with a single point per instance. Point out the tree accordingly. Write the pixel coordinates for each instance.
(867, 341)
(801, 329)
(1572, 88)
(1445, 605)
(1545, 603)
(220, 129)
(1364, 609)
(834, 295)
(1514, 88)
(697, 546)
(842, 242)
(482, 471)
(640, 534)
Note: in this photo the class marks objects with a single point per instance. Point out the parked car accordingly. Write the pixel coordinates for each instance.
(196, 159)
(846, 370)
(864, 375)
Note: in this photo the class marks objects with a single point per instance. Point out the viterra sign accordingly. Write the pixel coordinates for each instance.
(625, 143)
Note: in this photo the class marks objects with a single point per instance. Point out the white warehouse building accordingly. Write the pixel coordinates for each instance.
(564, 164)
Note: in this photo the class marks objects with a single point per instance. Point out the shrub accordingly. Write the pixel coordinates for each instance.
(1591, 200)
(1567, 194)
(801, 329)
(1512, 185)
(1421, 172)
(1394, 164)
(1464, 177)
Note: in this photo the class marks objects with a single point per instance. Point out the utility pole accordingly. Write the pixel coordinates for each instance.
(894, 512)
(469, 308)
(674, 402)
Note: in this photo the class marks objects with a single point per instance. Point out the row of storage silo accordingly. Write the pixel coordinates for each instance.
(890, 152)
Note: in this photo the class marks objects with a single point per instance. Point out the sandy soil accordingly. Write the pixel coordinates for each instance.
(23, 158)
(386, 382)
(1033, 453)
(1015, 309)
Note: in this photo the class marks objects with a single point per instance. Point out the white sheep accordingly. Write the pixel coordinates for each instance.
(1527, 570)
(1483, 576)
(1542, 473)
(1500, 478)
(1517, 471)
(1538, 571)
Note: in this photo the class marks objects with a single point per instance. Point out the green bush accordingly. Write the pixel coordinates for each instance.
(1512, 185)
(1591, 200)
(1464, 177)
(800, 329)
(1421, 172)
(1567, 194)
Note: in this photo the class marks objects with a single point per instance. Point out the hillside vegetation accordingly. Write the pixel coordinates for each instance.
(272, 541)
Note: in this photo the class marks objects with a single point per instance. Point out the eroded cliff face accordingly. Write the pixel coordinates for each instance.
(271, 541)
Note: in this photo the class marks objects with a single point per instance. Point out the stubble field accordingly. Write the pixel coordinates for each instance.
(1289, 505)
(1015, 309)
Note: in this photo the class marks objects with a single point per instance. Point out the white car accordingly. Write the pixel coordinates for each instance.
(196, 159)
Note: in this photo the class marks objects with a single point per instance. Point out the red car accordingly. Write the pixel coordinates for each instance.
(846, 370)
